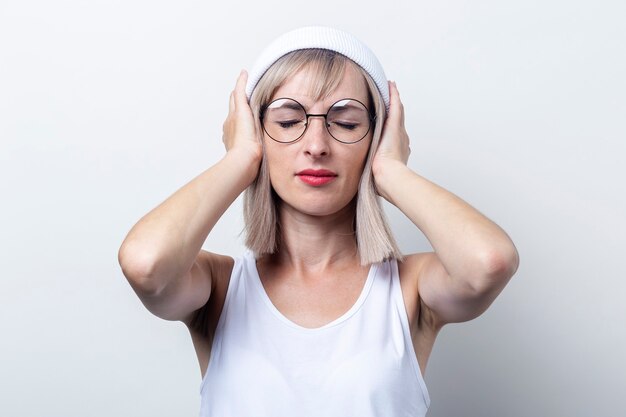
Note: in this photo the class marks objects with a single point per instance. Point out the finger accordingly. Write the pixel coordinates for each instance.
(395, 106)
(231, 102)
(240, 89)
(399, 101)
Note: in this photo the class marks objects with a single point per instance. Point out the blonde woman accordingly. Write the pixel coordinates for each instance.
(322, 316)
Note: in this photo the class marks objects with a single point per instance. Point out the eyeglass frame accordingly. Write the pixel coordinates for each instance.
(372, 119)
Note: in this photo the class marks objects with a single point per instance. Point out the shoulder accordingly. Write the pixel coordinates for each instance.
(411, 270)
(219, 268)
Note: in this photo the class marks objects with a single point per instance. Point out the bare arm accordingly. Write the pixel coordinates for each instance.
(473, 259)
(161, 256)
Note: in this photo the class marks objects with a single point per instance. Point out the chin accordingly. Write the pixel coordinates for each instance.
(317, 208)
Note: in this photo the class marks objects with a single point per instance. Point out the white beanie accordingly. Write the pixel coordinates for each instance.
(323, 38)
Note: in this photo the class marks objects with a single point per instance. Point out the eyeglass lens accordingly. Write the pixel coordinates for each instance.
(285, 120)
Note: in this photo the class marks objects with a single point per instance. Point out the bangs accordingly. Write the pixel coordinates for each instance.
(324, 71)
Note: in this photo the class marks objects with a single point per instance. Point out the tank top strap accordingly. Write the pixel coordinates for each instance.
(398, 300)
(232, 298)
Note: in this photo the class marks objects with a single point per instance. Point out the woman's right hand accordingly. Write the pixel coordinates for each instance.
(239, 131)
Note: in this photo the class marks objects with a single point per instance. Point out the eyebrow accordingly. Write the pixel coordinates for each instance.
(347, 107)
(287, 104)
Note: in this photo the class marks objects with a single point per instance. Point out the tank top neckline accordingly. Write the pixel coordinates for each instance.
(256, 279)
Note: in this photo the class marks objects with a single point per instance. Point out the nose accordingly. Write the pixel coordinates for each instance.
(316, 138)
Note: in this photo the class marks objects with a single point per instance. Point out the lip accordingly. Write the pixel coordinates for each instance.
(316, 177)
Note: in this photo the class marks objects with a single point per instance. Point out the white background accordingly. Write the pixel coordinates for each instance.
(108, 107)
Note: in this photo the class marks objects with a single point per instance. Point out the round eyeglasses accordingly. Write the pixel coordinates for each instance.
(285, 120)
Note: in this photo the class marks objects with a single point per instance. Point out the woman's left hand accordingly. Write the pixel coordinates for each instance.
(394, 143)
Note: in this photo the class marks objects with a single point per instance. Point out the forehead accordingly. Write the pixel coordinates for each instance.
(300, 87)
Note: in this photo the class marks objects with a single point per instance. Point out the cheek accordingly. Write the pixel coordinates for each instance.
(361, 159)
(276, 162)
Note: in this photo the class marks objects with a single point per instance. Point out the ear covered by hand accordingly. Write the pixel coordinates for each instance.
(394, 143)
(239, 129)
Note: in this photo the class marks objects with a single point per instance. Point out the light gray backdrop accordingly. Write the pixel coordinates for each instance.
(108, 107)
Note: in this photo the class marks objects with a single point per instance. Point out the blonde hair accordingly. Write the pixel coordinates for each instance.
(375, 242)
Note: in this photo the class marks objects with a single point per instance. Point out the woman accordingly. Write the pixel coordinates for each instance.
(323, 316)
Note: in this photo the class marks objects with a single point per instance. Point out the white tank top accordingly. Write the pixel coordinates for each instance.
(361, 364)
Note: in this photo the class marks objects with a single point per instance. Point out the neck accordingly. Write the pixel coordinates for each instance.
(315, 243)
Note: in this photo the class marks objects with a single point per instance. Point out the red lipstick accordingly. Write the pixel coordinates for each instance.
(316, 177)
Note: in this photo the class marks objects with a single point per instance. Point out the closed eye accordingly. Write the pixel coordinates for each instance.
(346, 125)
(288, 123)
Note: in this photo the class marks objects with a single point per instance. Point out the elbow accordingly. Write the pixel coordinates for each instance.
(138, 268)
(502, 262)
(497, 267)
